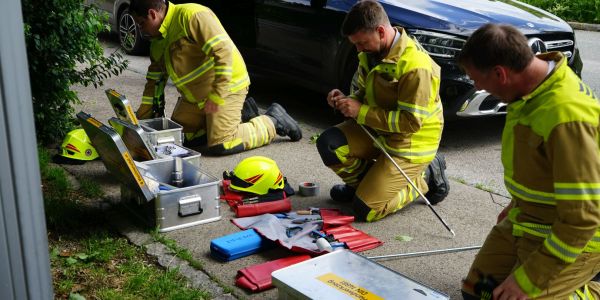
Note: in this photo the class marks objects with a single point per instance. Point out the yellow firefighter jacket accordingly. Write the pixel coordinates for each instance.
(400, 97)
(197, 54)
(550, 153)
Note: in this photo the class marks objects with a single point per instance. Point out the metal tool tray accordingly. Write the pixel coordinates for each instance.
(343, 274)
(136, 140)
(162, 130)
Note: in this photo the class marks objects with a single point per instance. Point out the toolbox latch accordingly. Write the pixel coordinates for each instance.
(189, 206)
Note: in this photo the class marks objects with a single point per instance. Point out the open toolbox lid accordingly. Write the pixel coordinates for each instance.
(115, 155)
(121, 106)
(133, 137)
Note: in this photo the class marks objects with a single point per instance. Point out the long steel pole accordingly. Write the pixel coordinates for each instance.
(407, 178)
(424, 253)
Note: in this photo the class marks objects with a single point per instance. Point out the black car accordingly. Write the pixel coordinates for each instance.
(300, 41)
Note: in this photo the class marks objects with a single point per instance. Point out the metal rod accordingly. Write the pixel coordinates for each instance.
(424, 253)
(407, 178)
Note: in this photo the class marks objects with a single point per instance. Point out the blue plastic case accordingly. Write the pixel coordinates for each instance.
(236, 245)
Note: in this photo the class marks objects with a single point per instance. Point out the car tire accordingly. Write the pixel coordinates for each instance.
(347, 68)
(130, 36)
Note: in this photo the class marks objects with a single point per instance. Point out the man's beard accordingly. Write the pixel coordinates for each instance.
(380, 53)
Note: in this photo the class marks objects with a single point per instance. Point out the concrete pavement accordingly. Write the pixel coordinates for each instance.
(469, 211)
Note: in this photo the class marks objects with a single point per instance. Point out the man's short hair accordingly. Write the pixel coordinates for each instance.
(492, 45)
(140, 7)
(364, 15)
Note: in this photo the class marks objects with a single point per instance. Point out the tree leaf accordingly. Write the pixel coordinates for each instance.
(403, 238)
(71, 261)
(76, 296)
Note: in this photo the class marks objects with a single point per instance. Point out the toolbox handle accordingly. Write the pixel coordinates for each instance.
(165, 140)
(190, 206)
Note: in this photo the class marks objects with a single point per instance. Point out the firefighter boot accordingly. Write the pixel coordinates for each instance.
(249, 110)
(436, 179)
(342, 193)
(284, 124)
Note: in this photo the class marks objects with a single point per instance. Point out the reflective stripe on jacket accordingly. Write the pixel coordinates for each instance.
(197, 54)
(551, 159)
(400, 97)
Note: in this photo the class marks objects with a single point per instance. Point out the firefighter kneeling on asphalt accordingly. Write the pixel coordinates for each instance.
(396, 96)
(189, 45)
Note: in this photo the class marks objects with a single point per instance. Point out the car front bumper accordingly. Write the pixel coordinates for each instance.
(477, 103)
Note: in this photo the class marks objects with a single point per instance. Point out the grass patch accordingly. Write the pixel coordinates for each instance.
(89, 261)
(90, 188)
(103, 265)
(483, 187)
(458, 179)
(185, 255)
(179, 252)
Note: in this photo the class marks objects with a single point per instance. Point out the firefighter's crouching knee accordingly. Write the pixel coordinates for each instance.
(330, 140)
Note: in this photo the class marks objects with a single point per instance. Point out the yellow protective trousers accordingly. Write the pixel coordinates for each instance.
(380, 188)
(502, 253)
(222, 130)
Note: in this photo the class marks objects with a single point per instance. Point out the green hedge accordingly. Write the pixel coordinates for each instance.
(586, 11)
(63, 50)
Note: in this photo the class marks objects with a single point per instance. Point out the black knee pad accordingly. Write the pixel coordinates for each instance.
(331, 139)
(198, 142)
(217, 150)
(361, 210)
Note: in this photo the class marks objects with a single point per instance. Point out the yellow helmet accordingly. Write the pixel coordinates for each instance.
(256, 174)
(77, 145)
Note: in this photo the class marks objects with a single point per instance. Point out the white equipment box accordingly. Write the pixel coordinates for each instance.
(343, 274)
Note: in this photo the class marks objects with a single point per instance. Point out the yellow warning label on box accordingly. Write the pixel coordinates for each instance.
(94, 122)
(133, 169)
(343, 285)
(132, 116)
(114, 93)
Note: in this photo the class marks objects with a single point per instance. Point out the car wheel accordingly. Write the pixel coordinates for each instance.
(348, 71)
(129, 35)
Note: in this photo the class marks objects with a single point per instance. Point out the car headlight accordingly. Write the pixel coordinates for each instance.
(438, 44)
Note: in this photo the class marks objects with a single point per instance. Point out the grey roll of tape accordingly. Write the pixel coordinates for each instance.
(308, 189)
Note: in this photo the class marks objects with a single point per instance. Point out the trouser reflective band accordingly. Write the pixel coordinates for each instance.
(404, 197)
(582, 295)
(544, 231)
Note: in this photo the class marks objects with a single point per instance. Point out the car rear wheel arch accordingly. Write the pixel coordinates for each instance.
(129, 36)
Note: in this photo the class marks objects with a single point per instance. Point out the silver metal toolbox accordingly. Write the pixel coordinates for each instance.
(168, 193)
(162, 130)
(159, 130)
(344, 274)
(136, 141)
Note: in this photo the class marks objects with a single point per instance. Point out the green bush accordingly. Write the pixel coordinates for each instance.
(587, 11)
(63, 50)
